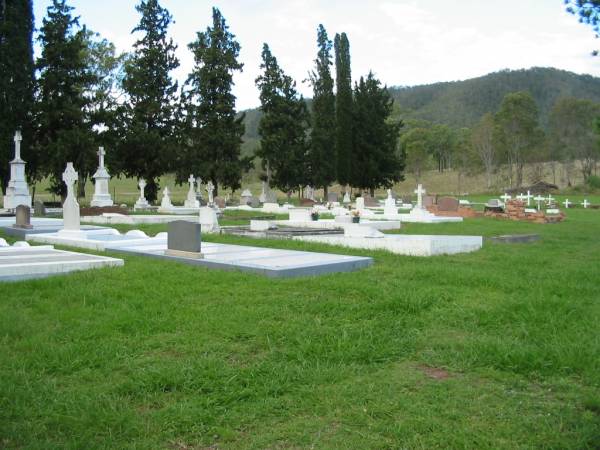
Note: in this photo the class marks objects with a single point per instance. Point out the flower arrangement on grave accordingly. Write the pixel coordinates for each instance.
(314, 215)
(355, 216)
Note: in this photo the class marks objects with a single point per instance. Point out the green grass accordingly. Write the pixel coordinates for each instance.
(497, 349)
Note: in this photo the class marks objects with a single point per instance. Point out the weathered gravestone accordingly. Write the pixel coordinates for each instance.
(23, 217)
(39, 209)
(184, 239)
(428, 200)
(332, 197)
(448, 204)
(370, 201)
(220, 202)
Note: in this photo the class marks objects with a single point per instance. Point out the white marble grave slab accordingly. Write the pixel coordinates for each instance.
(100, 240)
(21, 262)
(411, 245)
(116, 218)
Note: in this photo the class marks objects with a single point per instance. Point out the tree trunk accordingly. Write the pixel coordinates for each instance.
(372, 192)
(325, 192)
(81, 187)
(151, 191)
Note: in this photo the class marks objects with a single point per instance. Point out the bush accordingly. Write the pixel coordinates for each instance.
(593, 181)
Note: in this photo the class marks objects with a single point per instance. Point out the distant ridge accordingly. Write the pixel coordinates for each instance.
(462, 103)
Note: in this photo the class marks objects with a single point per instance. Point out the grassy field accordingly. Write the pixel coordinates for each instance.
(498, 349)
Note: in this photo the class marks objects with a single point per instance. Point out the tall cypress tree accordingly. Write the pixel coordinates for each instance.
(282, 128)
(147, 147)
(323, 136)
(213, 135)
(16, 82)
(64, 134)
(377, 161)
(343, 109)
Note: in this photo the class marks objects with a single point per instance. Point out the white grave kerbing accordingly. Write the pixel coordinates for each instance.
(17, 192)
(101, 194)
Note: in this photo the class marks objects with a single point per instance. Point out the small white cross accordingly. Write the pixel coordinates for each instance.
(528, 197)
(101, 154)
(539, 199)
(550, 199)
(586, 203)
(420, 191)
(506, 197)
(191, 180)
(567, 203)
(18, 139)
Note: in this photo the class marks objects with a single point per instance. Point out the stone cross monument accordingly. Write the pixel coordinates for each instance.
(141, 202)
(191, 201)
(17, 192)
(420, 191)
(70, 206)
(210, 188)
(101, 194)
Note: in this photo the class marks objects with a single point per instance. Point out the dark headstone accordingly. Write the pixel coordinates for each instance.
(254, 202)
(39, 209)
(184, 237)
(332, 197)
(448, 204)
(220, 202)
(428, 200)
(99, 210)
(516, 238)
(270, 197)
(23, 217)
(370, 201)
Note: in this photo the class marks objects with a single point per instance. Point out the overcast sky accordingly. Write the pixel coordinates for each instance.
(404, 42)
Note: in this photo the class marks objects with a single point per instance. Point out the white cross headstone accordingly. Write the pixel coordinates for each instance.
(199, 188)
(191, 201)
(567, 203)
(506, 197)
(141, 202)
(210, 188)
(70, 206)
(586, 203)
(347, 199)
(528, 197)
(539, 199)
(420, 191)
(101, 177)
(18, 138)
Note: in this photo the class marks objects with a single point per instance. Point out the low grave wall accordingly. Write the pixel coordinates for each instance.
(515, 210)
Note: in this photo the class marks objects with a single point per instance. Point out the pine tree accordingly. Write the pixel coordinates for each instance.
(64, 134)
(212, 135)
(377, 161)
(323, 138)
(282, 128)
(343, 109)
(147, 149)
(16, 82)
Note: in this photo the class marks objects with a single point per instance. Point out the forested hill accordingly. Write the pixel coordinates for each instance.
(462, 103)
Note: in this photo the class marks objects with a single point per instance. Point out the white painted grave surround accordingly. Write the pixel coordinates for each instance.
(71, 225)
(17, 192)
(300, 215)
(191, 201)
(141, 202)
(419, 213)
(101, 177)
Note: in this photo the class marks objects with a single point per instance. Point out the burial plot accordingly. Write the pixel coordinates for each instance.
(23, 217)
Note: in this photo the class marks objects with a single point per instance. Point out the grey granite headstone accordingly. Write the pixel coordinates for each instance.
(184, 239)
(332, 197)
(23, 217)
(39, 209)
(254, 202)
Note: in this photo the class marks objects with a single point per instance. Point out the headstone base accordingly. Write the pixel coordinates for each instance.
(182, 254)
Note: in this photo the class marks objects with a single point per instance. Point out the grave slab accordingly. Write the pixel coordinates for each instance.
(410, 245)
(22, 262)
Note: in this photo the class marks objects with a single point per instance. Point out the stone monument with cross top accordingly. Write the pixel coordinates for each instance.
(101, 178)
(17, 192)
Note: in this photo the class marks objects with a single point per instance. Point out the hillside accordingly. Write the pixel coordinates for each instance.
(462, 103)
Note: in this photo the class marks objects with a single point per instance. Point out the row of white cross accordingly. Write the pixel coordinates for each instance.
(539, 199)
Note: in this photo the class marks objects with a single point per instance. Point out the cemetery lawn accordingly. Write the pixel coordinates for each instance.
(497, 349)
